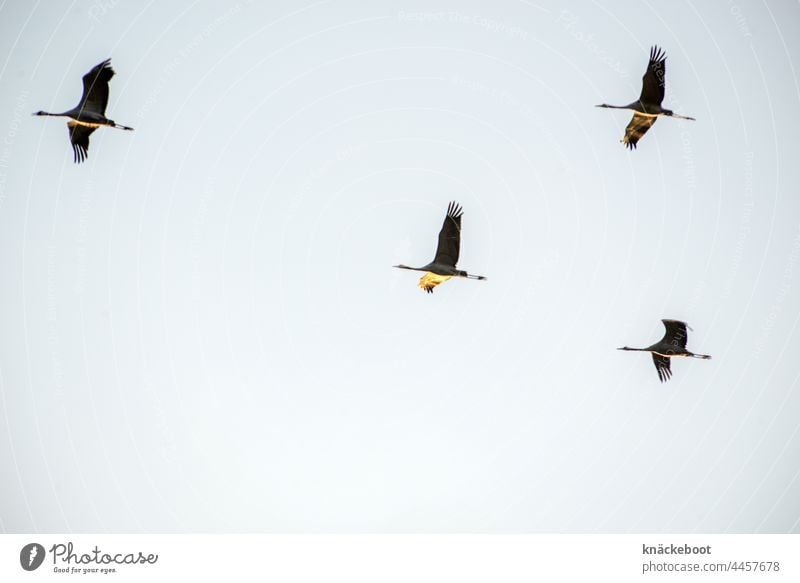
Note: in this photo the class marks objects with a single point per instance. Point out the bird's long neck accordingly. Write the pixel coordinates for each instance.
(401, 266)
(629, 348)
(50, 114)
(613, 106)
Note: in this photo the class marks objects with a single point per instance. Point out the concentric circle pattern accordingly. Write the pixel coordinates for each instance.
(201, 329)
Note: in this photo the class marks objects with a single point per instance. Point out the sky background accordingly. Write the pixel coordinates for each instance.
(202, 330)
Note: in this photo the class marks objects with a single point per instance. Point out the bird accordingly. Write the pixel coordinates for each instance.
(648, 107)
(671, 345)
(443, 266)
(89, 114)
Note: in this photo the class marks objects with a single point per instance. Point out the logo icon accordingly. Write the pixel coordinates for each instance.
(31, 556)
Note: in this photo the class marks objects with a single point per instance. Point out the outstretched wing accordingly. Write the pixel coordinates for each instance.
(450, 237)
(95, 88)
(662, 366)
(79, 136)
(636, 129)
(653, 79)
(676, 334)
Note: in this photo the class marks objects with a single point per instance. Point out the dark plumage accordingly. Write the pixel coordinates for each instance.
(443, 266)
(89, 114)
(671, 345)
(648, 107)
(449, 246)
(637, 128)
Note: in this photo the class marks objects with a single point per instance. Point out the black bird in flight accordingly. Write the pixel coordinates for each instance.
(89, 114)
(443, 266)
(671, 345)
(648, 107)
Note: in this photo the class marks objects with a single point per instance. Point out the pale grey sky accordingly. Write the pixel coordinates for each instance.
(202, 330)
